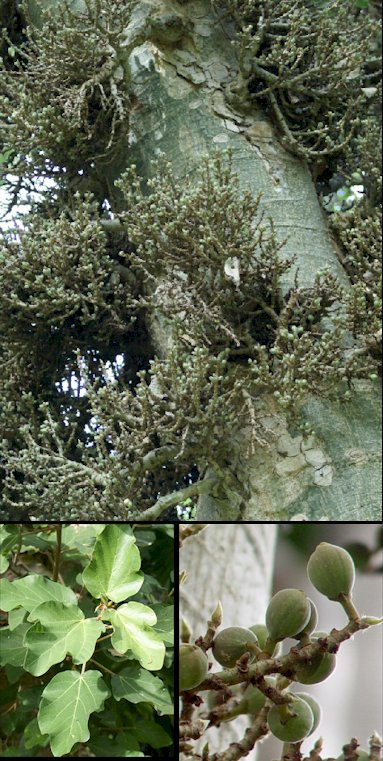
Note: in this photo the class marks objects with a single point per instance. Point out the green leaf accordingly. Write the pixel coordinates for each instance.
(122, 745)
(33, 590)
(16, 617)
(4, 156)
(148, 731)
(66, 630)
(8, 539)
(58, 630)
(165, 622)
(139, 686)
(113, 571)
(66, 704)
(12, 648)
(32, 736)
(81, 537)
(133, 630)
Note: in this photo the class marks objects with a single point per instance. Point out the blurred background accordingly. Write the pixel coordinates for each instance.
(351, 698)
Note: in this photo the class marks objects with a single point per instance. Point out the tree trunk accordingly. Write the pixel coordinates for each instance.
(233, 565)
(181, 63)
(184, 114)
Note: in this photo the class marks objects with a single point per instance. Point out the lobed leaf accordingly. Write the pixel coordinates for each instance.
(113, 571)
(133, 631)
(139, 686)
(65, 630)
(165, 622)
(31, 591)
(66, 704)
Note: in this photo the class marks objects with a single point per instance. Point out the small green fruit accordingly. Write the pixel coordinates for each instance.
(362, 755)
(253, 700)
(331, 570)
(312, 622)
(260, 631)
(315, 707)
(291, 723)
(317, 669)
(287, 614)
(231, 643)
(193, 666)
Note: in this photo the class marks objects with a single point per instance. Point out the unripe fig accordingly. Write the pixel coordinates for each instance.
(317, 669)
(315, 707)
(260, 631)
(361, 755)
(291, 723)
(312, 622)
(253, 700)
(331, 570)
(193, 666)
(231, 643)
(287, 614)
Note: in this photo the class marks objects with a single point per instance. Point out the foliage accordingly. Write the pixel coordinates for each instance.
(233, 336)
(61, 590)
(64, 89)
(308, 62)
(272, 706)
(58, 276)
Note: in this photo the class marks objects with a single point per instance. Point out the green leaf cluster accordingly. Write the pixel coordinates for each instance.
(82, 663)
(313, 65)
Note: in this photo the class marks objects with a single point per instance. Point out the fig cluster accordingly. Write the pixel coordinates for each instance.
(291, 716)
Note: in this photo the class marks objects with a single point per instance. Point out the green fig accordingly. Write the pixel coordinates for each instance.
(312, 622)
(253, 700)
(292, 722)
(316, 669)
(331, 570)
(315, 707)
(231, 643)
(193, 666)
(287, 614)
(260, 631)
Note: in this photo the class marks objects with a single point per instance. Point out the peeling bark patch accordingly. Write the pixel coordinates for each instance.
(290, 465)
(221, 138)
(356, 456)
(231, 126)
(288, 446)
(195, 104)
(316, 458)
(323, 476)
(298, 455)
